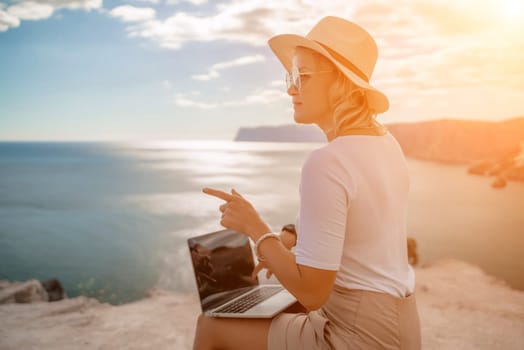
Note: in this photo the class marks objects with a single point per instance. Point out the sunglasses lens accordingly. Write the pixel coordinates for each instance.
(288, 80)
(296, 77)
(293, 79)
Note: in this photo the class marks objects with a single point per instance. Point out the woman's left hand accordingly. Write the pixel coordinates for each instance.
(238, 214)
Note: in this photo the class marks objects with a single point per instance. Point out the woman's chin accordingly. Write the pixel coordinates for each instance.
(301, 119)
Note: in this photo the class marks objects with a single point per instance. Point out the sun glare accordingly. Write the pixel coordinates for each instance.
(513, 8)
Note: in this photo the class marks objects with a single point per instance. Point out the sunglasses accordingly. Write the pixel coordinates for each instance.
(295, 78)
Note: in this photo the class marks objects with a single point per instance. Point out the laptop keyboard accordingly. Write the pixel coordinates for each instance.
(249, 300)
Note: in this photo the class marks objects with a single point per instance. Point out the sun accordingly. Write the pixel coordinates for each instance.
(512, 8)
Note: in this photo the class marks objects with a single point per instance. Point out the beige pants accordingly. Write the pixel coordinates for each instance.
(351, 319)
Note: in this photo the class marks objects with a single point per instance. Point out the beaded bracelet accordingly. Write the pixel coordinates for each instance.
(260, 239)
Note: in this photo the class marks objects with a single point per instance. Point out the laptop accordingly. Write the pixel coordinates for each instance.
(223, 263)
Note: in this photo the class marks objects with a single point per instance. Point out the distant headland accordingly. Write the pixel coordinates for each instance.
(281, 133)
(488, 148)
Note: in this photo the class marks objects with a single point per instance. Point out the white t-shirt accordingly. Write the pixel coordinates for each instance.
(352, 218)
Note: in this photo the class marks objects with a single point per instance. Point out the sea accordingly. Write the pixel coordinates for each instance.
(111, 220)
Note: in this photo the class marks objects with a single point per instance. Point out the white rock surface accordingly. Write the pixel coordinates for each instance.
(460, 307)
(22, 292)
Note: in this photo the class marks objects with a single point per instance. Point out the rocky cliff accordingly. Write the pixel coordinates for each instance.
(488, 148)
(460, 141)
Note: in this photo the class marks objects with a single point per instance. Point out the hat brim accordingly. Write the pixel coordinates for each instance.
(283, 46)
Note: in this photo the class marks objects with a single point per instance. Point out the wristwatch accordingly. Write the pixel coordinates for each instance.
(289, 239)
(289, 228)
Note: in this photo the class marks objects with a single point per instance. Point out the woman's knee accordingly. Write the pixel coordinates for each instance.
(203, 333)
(204, 323)
(231, 333)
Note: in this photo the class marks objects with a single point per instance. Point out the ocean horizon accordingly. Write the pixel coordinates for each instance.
(110, 220)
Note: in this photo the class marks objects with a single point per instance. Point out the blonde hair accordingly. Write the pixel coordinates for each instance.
(350, 108)
(349, 105)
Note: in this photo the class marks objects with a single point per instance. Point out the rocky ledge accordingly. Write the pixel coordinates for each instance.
(460, 306)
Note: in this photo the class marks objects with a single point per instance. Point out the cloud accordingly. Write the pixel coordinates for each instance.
(428, 46)
(128, 13)
(435, 46)
(263, 96)
(71, 4)
(10, 16)
(8, 21)
(154, 2)
(248, 22)
(194, 2)
(31, 11)
(214, 71)
(182, 100)
(425, 46)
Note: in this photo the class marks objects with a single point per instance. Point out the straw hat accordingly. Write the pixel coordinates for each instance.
(346, 44)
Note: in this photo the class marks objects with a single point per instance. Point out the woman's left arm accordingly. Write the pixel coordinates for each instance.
(311, 286)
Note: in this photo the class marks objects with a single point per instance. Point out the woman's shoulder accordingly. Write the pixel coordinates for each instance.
(350, 150)
(325, 159)
(322, 155)
(360, 145)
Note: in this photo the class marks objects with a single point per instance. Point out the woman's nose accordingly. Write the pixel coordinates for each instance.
(292, 90)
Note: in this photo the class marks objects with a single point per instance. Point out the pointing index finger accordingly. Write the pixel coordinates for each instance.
(217, 193)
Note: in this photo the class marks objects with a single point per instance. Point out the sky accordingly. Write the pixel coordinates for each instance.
(86, 70)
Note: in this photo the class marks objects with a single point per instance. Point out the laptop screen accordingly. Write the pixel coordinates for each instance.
(223, 263)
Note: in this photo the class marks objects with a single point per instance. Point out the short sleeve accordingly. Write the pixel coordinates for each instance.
(324, 205)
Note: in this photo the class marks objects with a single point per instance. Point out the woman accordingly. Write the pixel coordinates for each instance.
(350, 268)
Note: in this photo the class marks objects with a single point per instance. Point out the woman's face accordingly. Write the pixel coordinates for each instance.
(311, 103)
